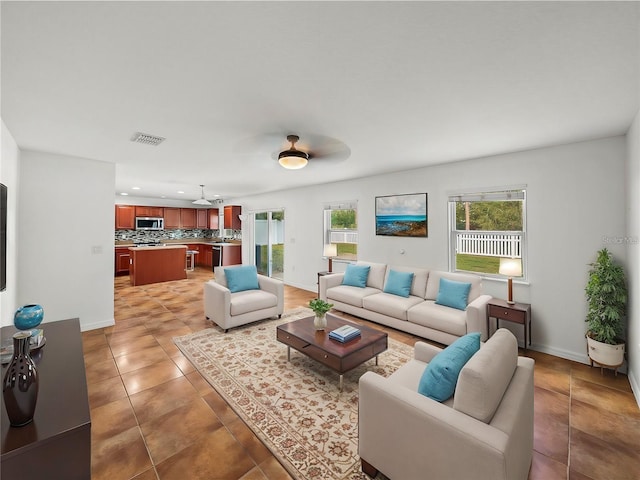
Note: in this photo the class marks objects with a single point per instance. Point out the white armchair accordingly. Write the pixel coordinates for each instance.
(484, 431)
(229, 310)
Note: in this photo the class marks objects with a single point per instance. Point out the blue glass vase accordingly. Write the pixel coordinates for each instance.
(28, 317)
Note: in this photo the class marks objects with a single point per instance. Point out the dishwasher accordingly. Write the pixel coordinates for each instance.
(217, 256)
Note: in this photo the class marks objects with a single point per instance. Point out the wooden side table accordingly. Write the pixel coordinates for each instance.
(321, 274)
(512, 312)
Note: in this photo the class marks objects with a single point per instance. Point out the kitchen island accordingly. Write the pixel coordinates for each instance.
(157, 264)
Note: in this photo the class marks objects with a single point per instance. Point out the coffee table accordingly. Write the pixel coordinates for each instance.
(316, 344)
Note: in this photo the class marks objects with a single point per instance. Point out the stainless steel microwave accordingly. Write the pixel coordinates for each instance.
(149, 223)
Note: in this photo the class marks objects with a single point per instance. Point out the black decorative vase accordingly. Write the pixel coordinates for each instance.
(20, 385)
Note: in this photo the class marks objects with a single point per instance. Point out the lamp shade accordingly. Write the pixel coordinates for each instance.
(330, 250)
(511, 267)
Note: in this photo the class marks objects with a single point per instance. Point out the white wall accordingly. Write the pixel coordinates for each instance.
(9, 176)
(575, 205)
(633, 254)
(66, 256)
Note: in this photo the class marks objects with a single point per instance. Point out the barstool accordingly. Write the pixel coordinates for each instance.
(191, 259)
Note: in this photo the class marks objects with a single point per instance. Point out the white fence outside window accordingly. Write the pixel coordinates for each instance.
(490, 244)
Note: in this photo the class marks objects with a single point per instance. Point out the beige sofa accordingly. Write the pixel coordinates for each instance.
(230, 310)
(417, 314)
(484, 431)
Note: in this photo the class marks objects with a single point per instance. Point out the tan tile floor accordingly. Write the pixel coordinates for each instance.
(154, 417)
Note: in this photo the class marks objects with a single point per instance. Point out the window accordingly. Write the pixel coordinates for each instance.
(485, 227)
(341, 228)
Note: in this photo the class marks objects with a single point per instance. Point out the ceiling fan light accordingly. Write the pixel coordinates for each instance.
(293, 159)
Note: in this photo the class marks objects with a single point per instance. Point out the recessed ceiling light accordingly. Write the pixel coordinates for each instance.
(124, 193)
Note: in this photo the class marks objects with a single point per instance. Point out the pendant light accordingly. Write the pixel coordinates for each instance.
(202, 200)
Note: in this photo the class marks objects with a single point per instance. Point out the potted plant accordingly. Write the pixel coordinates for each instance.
(606, 293)
(320, 308)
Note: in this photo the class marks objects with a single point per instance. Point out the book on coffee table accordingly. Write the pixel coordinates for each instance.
(344, 333)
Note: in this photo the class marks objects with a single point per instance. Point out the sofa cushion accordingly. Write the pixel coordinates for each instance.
(441, 374)
(453, 294)
(376, 274)
(243, 277)
(433, 284)
(356, 275)
(485, 378)
(390, 304)
(398, 283)
(438, 317)
(350, 295)
(251, 300)
(420, 276)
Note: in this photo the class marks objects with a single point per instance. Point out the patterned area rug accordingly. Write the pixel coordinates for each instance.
(294, 407)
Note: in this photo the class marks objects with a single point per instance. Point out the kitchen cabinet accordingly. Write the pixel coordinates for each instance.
(122, 259)
(171, 218)
(202, 220)
(149, 212)
(231, 217)
(214, 219)
(207, 256)
(125, 217)
(188, 218)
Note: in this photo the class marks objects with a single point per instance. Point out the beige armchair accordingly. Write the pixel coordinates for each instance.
(230, 310)
(484, 431)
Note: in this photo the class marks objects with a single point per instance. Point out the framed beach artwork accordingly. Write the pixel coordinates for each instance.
(402, 215)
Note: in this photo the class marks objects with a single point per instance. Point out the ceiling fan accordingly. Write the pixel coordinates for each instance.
(298, 151)
(317, 147)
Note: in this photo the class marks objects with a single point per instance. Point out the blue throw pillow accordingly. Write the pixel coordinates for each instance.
(242, 278)
(440, 376)
(453, 294)
(356, 275)
(398, 283)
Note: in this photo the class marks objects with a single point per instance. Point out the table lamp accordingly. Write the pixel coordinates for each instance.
(511, 267)
(330, 251)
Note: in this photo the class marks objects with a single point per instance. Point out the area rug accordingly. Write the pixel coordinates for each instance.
(294, 407)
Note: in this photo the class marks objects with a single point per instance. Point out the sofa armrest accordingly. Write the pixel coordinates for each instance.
(328, 281)
(425, 352)
(477, 316)
(274, 286)
(217, 302)
(405, 434)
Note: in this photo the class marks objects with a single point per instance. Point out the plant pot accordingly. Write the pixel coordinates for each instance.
(320, 322)
(604, 354)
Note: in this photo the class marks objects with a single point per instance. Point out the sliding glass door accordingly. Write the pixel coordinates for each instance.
(269, 243)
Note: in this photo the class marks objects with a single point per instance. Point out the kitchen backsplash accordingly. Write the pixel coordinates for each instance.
(151, 235)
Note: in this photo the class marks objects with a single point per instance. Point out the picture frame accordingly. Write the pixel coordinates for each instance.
(402, 215)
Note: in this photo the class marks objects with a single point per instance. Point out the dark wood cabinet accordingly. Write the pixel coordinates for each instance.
(232, 217)
(122, 259)
(188, 218)
(150, 212)
(57, 443)
(214, 218)
(171, 218)
(125, 217)
(202, 220)
(207, 256)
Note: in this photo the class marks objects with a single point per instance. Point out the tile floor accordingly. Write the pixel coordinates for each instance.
(154, 417)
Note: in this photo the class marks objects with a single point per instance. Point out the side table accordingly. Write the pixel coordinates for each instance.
(512, 312)
(321, 274)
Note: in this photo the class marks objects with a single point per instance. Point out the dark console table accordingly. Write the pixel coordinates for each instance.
(57, 444)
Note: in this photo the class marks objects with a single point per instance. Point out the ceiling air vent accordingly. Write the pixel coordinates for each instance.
(147, 139)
